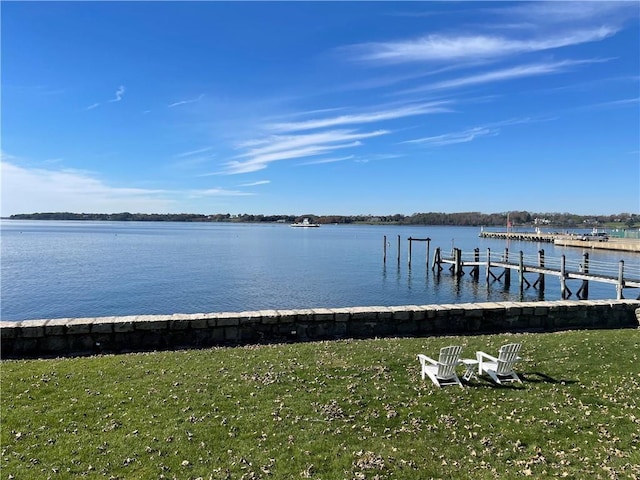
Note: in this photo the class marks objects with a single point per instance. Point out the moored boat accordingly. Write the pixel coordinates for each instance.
(304, 223)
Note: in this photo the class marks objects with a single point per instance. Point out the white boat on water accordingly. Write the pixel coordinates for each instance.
(304, 223)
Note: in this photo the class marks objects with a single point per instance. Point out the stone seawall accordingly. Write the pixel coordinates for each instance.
(86, 336)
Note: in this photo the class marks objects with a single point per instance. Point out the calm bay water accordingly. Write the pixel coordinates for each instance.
(57, 269)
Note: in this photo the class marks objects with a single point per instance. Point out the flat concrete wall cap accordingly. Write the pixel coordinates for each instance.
(364, 313)
(573, 303)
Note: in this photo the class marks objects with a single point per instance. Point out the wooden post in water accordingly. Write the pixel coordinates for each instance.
(398, 250)
(583, 292)
(521, 271)
(409, 259)
(540, 281)
(428, 248)
(475, 271)
(563, 279)
(436, 260)
(457, 258)
(488, 271)
(384, 250)
(620, 285)
(507, 270)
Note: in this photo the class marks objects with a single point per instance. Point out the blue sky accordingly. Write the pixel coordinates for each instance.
(320, 107)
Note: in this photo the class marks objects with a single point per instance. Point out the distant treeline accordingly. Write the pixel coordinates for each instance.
(431, 218)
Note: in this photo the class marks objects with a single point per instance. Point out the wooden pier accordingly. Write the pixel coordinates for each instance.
(522, 236)
(586, 271)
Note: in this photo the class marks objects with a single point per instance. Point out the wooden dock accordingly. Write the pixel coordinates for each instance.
(586, 271)
(567, 240)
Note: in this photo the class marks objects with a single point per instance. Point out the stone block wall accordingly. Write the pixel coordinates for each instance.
(86, 336)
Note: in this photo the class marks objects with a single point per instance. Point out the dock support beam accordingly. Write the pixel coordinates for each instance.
(539, 283)
(457, 259)
(507, 270)
(620, 285)
(475, 271)
(583, 291)
(384, 250)
(564, 290)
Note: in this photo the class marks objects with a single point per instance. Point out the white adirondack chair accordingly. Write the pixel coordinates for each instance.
(443, 371)
(500, 369)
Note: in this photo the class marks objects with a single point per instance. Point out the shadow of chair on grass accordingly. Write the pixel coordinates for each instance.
(526, 377)
(539, 377)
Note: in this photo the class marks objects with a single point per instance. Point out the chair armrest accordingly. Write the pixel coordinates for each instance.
(423, 359)
(480, 355)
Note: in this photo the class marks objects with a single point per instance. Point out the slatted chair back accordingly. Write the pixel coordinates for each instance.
(448, 361)
(507, 358)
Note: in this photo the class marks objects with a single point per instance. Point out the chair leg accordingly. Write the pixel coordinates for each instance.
(494, 377)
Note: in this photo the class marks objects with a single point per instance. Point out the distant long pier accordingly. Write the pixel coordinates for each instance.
(568, 240)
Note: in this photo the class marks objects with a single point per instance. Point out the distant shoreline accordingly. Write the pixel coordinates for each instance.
(620, 221)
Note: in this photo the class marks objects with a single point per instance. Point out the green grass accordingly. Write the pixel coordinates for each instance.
(327, 410)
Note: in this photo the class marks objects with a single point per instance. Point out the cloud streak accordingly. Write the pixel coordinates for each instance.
(439, 48)
(255, 184)
(289, 147)
(470, 134)
(359, 118)
(119, 94)
(501, 75)
(456, 137)
(184, 102)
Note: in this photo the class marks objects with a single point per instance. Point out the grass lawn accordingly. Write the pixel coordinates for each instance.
(327, 410)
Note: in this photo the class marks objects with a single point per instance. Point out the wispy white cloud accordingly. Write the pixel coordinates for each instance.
(470, 134)
(625, 102)
(184, 102)
(290, 147)
(455, 137)
(328, 160)
(255, 184)
(280, 143)
(260, 162)
(367, 117)
(558, 12)
(471, 47)
(194, 152)
(219, 192)
(510, 73)
(118, 95)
